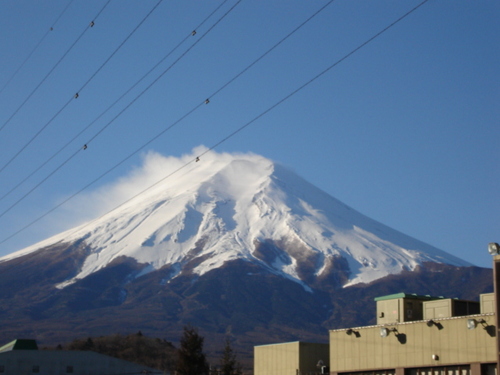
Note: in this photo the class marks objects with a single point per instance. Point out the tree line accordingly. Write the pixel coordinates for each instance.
(188, 359)
(192, 361)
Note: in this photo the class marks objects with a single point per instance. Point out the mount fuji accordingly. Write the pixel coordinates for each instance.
(233, 243)
(229, 207)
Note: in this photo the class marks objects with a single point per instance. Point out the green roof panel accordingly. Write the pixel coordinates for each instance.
(19, 344)
(406, 295)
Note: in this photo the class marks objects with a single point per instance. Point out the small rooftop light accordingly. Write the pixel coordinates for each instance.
(472, 323)
(384, 332)
(494, 248)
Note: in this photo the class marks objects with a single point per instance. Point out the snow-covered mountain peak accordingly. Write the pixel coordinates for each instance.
(238, 206)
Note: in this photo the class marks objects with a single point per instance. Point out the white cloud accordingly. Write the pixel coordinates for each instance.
(176, 172)
(153, 168)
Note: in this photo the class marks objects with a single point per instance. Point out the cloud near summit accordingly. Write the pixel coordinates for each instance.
(154, 168)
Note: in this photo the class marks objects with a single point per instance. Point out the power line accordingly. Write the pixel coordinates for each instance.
(164, 72)
(271, 49)
(80, 89)
(232, 134)
(39, 183)
(192, 33)
(123, 110)
(345, 57)
(35, 136)
(54, 67)
(36, 47)
(121, 45)
(176, 122)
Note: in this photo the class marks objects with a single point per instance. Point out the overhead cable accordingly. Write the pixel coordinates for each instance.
(173, 124)
(102, 129)
(198, 157)
(232, 134)
(36, 47)
(53, 68)
(108, 108)
(75, 96)
(164, 72)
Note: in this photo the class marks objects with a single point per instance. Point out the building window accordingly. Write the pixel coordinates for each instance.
(69, 369)
(378, 372)
(442, 370)
(488, 369)
(2, 368)
(36, 369)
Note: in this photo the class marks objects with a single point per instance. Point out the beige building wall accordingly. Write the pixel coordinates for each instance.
(438, 309)
(444, 308)
(278, 359)
(413, 345)
(291, 358)
(401, 307)
(487, 302)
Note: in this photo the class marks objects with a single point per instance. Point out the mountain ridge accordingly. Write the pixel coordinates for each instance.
(244, 206)
(238, 246)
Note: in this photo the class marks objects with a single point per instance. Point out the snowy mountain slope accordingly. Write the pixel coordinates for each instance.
(242, 206)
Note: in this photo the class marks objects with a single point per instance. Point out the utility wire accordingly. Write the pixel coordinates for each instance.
(163, 73)
(120, 46)
(192, 33)
(176, 122)
(81, 88)
(33, 138)
(271, 49)
(225, 138)
(54, 67)
(36, 47)
(345, 57)
(102, 129)
(198, 157)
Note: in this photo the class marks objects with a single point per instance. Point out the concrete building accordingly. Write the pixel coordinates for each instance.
(291, 358)
(441, 337)
(414, 335)
(23, 357)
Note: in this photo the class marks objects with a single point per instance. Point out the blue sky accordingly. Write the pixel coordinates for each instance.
(405, 130)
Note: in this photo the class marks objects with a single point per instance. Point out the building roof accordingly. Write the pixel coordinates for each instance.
(19, 344)
(406, 295)
(293, 342)
(84, 362)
